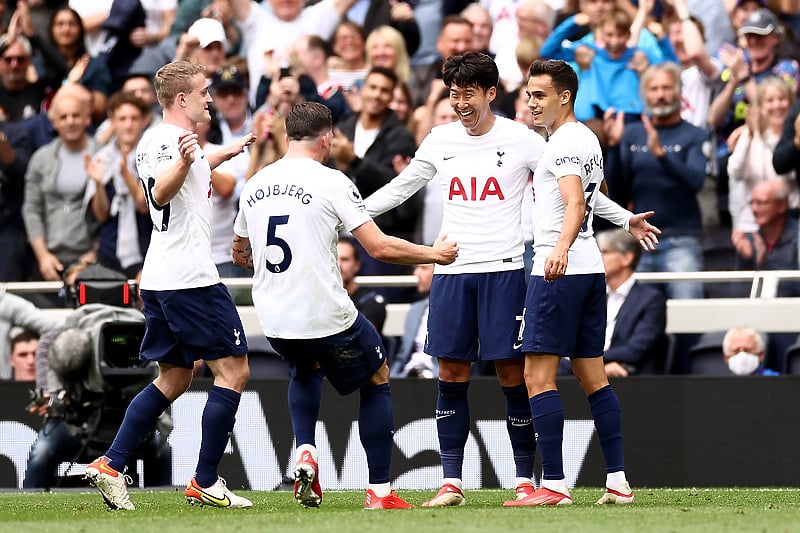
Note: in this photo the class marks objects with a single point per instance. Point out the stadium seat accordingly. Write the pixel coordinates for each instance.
(778, 345)
(793, 358)
(705, 357)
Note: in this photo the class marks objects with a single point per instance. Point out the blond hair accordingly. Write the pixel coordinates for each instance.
(395, 39)
(173, 78)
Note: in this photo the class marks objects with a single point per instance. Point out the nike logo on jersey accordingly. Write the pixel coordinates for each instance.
(517, 345)
(447, 157)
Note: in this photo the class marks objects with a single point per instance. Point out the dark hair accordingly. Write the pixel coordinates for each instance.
(383, 71)
(25, 335)
(454, 19)
(352, 243)
(80, 42)
(561, 74)
(308, 120)
(121, 98)
(315, 42)
(352, 25)
(472, 69)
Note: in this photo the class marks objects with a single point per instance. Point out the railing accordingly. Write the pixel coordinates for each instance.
(761, 309)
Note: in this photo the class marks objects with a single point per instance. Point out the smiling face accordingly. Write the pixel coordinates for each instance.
(382, 53)
(614, 39)
(376, 94)
(348, 43)
(775, 104)
(545, 102)
(471, 105)
(197, 100)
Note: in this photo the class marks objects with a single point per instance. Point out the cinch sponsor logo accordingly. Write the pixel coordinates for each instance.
(568, 159)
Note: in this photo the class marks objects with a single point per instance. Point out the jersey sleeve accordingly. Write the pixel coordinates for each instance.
(155, 155)
(240, 224)
(348, 204)
(414, 177)
(537, 145)
(564, 160)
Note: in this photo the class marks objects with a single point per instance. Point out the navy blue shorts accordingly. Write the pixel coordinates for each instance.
(566, 317)
(187, 325)
(475, 316)
(349, 359)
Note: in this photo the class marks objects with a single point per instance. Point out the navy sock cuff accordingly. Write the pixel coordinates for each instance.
(228, 397)
(603, 401)
(518, 392)
(546, 400)
(450, 389)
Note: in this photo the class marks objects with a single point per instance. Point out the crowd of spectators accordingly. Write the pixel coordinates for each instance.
(693, 101)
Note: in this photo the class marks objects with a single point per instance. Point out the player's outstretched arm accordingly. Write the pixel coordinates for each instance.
(242, 252)
(645, 233)
(414, 177)
(399, 251)
(231, 150)
(636, 224)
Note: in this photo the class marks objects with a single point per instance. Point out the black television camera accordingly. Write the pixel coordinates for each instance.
(94, 370)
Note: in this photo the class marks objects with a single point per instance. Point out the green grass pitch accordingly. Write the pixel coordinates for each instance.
(701, 510)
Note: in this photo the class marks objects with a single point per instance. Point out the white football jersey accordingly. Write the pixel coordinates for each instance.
(482, 180)
(292, 211)
(179, 256)
(572, 150)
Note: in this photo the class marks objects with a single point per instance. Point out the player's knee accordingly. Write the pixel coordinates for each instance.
(454, 371)
(380, 376)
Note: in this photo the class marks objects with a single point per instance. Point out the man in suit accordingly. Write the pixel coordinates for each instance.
(411, 361)
(636, 342)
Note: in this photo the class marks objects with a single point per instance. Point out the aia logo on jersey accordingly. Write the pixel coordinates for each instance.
(472, 191)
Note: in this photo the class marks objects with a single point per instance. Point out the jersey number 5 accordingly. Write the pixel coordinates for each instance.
(274, 240)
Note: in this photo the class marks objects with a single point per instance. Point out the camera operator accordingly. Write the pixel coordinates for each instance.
(81, 397)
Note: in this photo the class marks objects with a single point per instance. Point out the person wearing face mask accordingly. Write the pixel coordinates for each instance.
(743, 348)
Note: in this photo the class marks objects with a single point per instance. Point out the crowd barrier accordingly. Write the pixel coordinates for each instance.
(679, 432)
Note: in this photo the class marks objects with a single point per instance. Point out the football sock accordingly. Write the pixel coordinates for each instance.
(305, 396)
(452, 425)
(607, 415)
(520, 429)
(548, 419)
(615, 479)
(307, 448)
(381, 490)
(140, 419)
(376, 427)
(219, 416)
